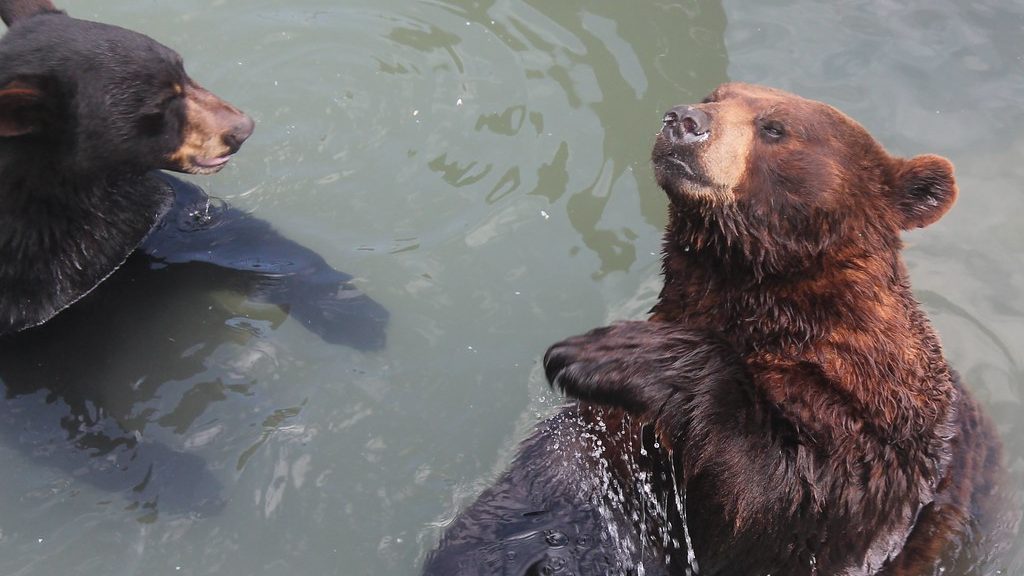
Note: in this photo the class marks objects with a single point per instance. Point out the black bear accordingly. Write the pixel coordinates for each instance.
(787, 408)
(96, 244)
(88, 111)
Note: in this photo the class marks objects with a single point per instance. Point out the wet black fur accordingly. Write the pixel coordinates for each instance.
(580, 475)
(78, 195)
(95, 242)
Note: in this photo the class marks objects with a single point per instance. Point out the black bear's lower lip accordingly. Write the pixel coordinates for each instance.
(210, 163)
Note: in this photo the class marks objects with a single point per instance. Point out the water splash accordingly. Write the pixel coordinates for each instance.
(623, 475)
(680, 494)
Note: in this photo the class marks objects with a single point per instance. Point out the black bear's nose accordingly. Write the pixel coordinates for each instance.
(239, 133)
(685, 123)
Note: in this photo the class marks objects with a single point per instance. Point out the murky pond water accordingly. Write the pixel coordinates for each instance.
(481, 168)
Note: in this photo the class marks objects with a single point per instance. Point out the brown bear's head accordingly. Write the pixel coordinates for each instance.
(777, 182)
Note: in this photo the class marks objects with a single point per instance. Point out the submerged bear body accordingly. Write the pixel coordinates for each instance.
(787, 408)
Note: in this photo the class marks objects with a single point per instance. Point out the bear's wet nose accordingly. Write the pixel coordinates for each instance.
(686, 123)
(238, 133)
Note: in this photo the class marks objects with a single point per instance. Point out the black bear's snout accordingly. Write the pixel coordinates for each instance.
(685, 123)
(239, 133)
(213, 131)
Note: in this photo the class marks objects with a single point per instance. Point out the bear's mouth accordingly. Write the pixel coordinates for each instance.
(688, 171)
(679, 167)
(204, 165)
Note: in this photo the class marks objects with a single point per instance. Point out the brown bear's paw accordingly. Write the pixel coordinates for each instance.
(646, 368)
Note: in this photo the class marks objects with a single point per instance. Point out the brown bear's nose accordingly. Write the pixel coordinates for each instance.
(686, 123)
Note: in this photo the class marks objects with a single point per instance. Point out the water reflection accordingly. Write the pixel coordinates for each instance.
(146, 348)
(581, 50)
(375, 118)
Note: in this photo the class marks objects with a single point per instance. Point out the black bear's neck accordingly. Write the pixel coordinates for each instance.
(62, 234)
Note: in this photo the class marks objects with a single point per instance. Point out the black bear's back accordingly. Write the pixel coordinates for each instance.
(561, 508)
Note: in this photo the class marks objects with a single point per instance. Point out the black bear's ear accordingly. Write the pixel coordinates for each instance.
(924, 190)
(21, 109)
(13, 10)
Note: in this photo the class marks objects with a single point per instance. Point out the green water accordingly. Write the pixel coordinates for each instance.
(481, 168)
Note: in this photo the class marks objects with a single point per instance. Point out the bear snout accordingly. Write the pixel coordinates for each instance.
(213, 131)
(239, 133)
(686, 125)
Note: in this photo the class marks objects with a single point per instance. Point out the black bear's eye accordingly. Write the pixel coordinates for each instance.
(772, 129)
(151, 124)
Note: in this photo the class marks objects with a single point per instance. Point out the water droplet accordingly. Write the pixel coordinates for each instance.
(555, 539)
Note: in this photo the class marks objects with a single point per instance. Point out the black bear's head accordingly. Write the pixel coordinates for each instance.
(778, 181)
(89, 98)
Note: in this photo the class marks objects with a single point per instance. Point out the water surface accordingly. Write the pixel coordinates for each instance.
(481, 168)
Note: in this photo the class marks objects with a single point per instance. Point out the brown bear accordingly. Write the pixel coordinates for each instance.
(787, 409)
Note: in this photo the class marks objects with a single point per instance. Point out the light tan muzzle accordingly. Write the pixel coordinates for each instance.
(213, 131)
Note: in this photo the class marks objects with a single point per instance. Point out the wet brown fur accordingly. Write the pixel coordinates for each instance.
(842, 442)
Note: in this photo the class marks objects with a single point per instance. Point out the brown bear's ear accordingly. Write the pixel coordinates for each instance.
(924, 190)
(21, 107)
(13, 10)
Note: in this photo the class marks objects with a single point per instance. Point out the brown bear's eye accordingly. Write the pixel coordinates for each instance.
(772, 129)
